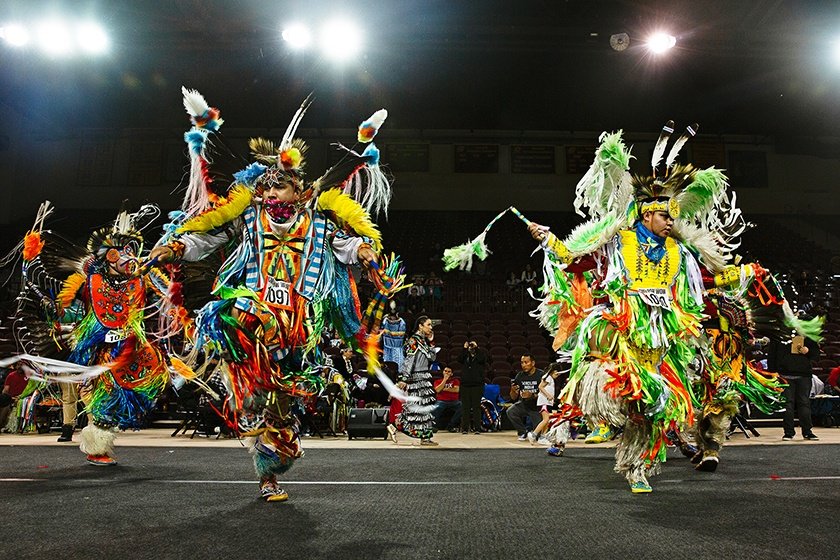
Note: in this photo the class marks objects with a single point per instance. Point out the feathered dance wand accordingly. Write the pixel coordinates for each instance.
(461, 257)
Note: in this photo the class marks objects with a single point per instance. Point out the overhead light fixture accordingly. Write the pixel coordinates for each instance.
(14, 34)
(54, 38)
(92, 38)
(660, 42)
(619, 41)
(297, 35)
(341, 40)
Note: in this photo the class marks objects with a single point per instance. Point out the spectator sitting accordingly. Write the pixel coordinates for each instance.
(529, 277)
(415, 298)
(434, 285)
(13, 386)
(513, 282)
(833, 382)
(524, 390)
(447, 389)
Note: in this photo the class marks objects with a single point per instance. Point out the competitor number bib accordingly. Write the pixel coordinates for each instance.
(277, 292)
(114, 336)
(658, 297)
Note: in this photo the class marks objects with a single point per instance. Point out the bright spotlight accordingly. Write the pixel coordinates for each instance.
(341, 40)
(297, 35)
(14, 34)
(92, 38)
(836, 51)
(660, 42)
(54, 38)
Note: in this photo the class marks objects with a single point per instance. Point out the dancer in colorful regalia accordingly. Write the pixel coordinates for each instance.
(624, 293)
(739, 311)
(285, 278)
(654, 246)
(120, 371)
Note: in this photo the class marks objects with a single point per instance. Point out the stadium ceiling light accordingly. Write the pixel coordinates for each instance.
(340, 40)
(92, 38)
(297, 35)
(660, 42)
(54, 38)
(14, 34)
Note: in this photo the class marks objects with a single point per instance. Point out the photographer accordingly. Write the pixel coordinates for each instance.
(524, 388)
(474, 360)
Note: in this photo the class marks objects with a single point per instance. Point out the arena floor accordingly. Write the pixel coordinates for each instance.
(485, 496)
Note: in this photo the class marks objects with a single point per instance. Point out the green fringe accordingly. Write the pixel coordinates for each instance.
(701, 193)
(461, 257)
(811, 328)
(588, 236)
(612, 151)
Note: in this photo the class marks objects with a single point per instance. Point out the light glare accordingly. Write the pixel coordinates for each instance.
(92, 38)
(297, 35)
(14, 34)
(54, 38)
(660, 42)
(341, 40)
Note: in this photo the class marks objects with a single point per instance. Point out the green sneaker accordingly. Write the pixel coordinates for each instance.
(599, 435)
(640, 487)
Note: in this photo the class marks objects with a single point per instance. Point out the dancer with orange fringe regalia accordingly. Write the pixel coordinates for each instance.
(748, 306)
(624, 293)
(285, 278)
(120, 372)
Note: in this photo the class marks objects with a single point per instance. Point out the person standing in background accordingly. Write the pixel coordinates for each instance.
(474, 360)
(793, 362)
(393, 334)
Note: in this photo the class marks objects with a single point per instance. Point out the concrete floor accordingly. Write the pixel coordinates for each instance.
(161, 437)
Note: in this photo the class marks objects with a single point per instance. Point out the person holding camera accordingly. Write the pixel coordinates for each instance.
(474, 360)
(524, 390)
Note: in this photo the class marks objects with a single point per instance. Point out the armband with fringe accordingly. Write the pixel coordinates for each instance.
(557, 247)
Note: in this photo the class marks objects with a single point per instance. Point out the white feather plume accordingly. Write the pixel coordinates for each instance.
(378, 118)
(661, 144)
(689, 133)
(194, 102)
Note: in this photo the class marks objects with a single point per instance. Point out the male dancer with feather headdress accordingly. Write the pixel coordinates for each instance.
(119, 370)
(285, 276)
(645, 262)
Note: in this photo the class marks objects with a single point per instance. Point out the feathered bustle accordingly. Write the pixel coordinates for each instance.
(350, 214)
(226, 210)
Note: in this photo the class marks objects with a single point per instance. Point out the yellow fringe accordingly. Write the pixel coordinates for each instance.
(350, 214)
(181, 368)
(70, 288)
(227, 209)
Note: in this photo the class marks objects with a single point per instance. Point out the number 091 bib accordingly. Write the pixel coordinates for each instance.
(277, 293)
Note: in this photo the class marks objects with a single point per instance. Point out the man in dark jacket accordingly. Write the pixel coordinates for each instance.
(474, 360)
(792, 360)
